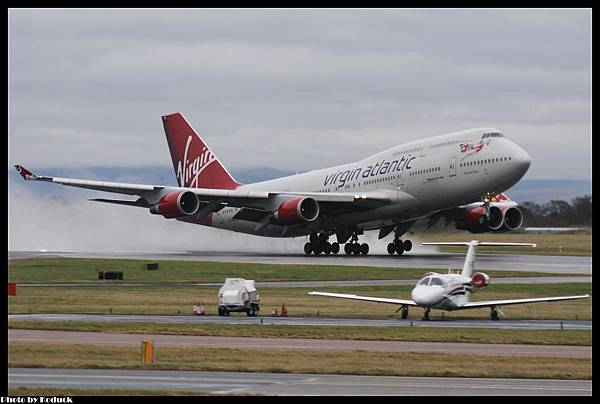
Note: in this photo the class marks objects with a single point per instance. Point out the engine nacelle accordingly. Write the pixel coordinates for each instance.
(177, 204)
(480, 280)
(504, 215)
(297, 210)
(513, 218)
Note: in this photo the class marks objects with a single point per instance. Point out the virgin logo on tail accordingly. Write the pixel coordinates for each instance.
(188, 176)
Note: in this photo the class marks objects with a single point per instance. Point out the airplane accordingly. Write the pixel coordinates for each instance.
(450, 291)
(458, 176)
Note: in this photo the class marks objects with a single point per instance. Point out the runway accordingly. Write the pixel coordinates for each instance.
(206, 342)
(314, 321)
(288, 384)
(512, 262)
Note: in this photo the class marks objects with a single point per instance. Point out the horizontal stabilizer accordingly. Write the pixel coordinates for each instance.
(479, 243)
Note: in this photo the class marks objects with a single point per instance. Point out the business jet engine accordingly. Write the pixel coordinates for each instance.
(480, 280)
(297, 210)
(176, 204)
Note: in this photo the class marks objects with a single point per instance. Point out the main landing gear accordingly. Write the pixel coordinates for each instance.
(318, 244)
(398, 246)
(353, 247)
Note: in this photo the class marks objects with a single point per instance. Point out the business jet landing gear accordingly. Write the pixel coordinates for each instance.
(404, 312)
(494, 313)
(318, 244)
(426, 314)
(354, 247)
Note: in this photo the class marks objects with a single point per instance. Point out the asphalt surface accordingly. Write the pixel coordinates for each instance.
(311, 321)
(289, 384)
(112, 339)
(420, 259)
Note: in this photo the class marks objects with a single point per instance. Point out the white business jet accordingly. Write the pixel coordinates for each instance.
(452, 291)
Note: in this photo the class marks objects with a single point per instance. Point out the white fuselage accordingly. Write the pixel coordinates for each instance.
(446, 292)
(419, 177)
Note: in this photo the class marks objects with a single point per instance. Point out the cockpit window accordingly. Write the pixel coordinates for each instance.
(424, 281)
(493, 134)
(436, 282)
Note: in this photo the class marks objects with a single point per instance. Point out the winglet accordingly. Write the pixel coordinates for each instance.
(25, 173)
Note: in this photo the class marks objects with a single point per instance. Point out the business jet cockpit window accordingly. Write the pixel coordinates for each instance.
(436, 282)
(493, 134)
(424, 281)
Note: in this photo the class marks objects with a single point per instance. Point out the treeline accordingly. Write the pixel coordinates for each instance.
(558, 213)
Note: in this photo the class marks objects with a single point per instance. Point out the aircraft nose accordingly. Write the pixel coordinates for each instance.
(427, 295)
(521, 160)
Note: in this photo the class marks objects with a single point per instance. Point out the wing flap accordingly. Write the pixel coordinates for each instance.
(365, 298)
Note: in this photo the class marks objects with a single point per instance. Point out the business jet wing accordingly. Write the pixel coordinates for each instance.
(365, 298)
(231, 197)
(472, 305)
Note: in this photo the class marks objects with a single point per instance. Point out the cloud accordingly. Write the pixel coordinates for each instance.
(295, 90)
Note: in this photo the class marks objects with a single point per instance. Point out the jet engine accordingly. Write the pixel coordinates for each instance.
(177, 204)
(500, 216)
(297, 210)
(513, 218)
(480, 280)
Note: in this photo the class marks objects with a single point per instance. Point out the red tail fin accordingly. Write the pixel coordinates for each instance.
(195, 164)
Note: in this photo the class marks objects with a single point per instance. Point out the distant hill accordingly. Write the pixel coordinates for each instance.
(539, 191)
(542, 191)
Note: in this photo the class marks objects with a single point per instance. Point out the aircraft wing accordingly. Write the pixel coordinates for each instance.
(365, 298)
(233, 198)
(472, 305)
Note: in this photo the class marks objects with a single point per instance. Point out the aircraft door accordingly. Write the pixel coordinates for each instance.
(453, 166)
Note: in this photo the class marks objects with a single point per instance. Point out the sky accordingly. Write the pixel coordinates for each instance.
(296, 89)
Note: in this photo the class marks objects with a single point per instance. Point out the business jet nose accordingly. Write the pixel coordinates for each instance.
(427, 295)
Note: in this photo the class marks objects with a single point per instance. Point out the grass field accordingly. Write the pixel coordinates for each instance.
(295, 361)
(547, 244)
(180, 300)
(83, 270)
(480, 335)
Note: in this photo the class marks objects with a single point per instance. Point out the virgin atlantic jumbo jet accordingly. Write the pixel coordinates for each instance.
(458, 176)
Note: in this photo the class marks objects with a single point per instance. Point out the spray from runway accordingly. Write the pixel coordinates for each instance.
(78, 225)
(55, 224)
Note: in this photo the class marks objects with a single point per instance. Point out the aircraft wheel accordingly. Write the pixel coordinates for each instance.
(308, 248)
(335, 248)
(327, 248)
(391, 248)
(348, 248)
(399, 247)
(407, 245)
(317, 250)
(364, 249)
(356, 249)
